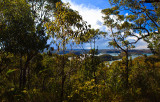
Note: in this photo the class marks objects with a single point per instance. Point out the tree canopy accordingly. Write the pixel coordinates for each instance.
(143, 20)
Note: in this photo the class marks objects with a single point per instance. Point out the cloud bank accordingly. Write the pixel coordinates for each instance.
(90, 14)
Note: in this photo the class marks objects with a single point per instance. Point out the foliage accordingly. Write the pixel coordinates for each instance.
(68, 25)
(144, 19)
(26, 75)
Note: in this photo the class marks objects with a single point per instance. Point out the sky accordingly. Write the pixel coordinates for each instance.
(90, 10)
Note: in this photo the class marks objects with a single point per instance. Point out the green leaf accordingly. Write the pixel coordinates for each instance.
(11, 71)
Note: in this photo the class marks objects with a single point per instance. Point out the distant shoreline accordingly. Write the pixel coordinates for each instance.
(85, 51)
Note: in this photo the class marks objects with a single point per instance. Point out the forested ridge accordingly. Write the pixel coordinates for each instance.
(32, 71)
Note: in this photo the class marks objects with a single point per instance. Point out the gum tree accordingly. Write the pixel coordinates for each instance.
(19, 34)
(67, 25)
(120, 32)
(145, 17)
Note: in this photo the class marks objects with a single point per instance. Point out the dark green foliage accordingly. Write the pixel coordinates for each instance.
(107, 57)
(80, 85)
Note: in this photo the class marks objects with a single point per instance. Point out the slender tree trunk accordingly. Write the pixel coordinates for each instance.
(28, 86)
(63, 74)
(25, 72)
(21, 71)
(14, 80)
(43, 84)
(24, 76)
(127, 70)
(94, 66)
(62, 90)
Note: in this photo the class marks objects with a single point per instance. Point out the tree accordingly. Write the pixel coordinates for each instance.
(120, 31)
(18, 35)
(92, 34)
(67, 25)
(145, 20)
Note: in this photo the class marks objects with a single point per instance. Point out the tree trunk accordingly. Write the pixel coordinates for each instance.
(21, 71)
(62, 72)
(62, 89)
(94, 66)
(25, 72)
(24, 76)
(127, 70)
(43, 84)
(28, 86)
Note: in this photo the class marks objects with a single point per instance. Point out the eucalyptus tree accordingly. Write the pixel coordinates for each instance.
(120, 32)
(67, 25)
(17, 24)
(19, 35)
(145, 18)
(91, 36)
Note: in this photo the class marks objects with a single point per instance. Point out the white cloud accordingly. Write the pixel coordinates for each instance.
(126, 14)
(92, 15)
(141, 45)
(131, 38)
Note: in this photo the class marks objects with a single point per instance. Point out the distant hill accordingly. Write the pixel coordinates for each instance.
(85, 51)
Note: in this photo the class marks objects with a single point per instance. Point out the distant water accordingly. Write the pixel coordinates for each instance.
(133, 56)
(112, 54)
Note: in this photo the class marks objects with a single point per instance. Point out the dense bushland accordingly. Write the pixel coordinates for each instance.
(29, 75)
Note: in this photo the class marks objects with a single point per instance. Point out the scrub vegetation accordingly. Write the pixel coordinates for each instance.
(29, 75)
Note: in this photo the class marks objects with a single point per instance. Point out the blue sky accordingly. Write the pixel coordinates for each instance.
(101, 4)
(90, 10)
